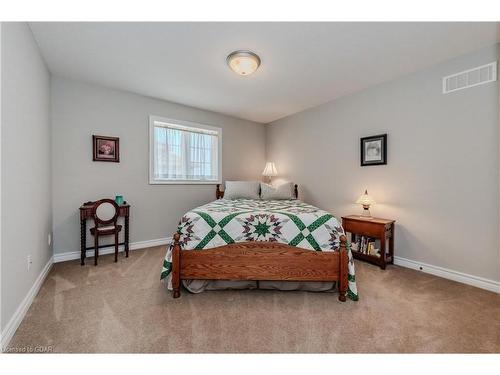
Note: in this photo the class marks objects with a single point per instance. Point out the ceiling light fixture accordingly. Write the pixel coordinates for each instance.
(243, 63)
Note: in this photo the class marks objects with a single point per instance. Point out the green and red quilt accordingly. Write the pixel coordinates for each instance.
(290, 222)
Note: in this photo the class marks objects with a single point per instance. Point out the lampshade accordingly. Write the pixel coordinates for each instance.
(270, 170)
(365, 199)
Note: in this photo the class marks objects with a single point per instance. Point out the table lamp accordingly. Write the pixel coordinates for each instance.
(270, 170)
(365, 200)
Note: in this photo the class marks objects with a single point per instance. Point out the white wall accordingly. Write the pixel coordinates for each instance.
(1, 126)
(441, 181)
(26, 217)
(80, 110)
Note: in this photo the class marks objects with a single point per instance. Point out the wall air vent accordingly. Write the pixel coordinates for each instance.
(469, 78)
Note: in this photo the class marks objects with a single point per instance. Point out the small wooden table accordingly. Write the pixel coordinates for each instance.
(383, 229)
(86, 213)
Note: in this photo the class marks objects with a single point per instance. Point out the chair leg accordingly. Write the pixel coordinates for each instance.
(96, 248)
(116, 247)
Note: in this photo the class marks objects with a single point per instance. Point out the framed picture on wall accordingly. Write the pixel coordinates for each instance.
(374, 150)
(106, 148)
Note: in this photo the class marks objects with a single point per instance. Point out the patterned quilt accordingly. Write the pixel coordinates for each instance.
(290, 222)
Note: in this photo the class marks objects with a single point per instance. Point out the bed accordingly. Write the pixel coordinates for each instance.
(252, 240)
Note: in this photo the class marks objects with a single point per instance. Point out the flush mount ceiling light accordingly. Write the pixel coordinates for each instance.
(243, 63)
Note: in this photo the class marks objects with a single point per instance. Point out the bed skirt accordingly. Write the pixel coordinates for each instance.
(198, 286)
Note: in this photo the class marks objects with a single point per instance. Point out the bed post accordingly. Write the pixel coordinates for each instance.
(176, 266)
(218, 193)
(343, 263)
(296, 191)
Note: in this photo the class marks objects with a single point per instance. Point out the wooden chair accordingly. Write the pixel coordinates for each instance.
(105, 214)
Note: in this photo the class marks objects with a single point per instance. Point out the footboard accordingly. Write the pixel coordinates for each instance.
(259, 261)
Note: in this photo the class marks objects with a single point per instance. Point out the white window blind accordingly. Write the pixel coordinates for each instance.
(183, 152)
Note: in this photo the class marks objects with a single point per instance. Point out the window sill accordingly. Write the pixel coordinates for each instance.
(184, 182)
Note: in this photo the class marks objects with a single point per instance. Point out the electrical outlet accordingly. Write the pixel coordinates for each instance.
(49, 239)
(29, 262)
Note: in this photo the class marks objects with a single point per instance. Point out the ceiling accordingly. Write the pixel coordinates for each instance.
(303, 64)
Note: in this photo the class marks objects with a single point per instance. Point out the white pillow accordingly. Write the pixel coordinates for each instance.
(242, 189)
(283, 191)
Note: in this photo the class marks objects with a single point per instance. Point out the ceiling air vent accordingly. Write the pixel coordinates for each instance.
(469, 78)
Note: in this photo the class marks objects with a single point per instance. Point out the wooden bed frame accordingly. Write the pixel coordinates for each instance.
(259, 260)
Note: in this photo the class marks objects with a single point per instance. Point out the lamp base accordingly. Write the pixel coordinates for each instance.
(366, 213)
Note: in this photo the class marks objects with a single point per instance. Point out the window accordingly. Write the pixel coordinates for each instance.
(183, 152)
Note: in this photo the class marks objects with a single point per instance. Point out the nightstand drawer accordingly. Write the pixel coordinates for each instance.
(363, 228)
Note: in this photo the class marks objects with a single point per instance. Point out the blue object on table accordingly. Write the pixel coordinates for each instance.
(119, 199)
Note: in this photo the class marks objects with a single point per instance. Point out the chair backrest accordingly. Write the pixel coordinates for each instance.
(105, 211)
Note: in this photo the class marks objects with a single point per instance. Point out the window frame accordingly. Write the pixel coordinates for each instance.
(153, 181)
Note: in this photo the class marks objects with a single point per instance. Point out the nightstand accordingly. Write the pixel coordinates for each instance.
(372, 228)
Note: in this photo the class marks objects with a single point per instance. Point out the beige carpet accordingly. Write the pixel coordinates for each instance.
(123, 307)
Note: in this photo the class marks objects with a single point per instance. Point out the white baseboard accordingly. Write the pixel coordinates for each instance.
(72, 255)
(446, 273)
(21, 311)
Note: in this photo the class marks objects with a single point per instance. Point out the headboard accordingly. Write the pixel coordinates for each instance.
(219, 194)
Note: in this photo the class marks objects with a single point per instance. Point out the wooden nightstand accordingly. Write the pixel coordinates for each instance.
(381, 229)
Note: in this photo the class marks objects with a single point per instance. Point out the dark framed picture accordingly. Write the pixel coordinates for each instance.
(106, 148)
(374, 150)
